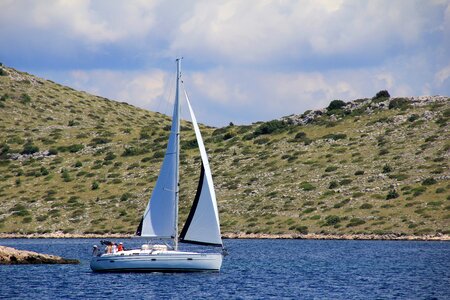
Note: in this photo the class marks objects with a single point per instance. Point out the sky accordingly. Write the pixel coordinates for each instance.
(244, 60)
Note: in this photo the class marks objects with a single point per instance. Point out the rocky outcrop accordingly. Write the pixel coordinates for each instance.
(11, 256)
(367, 105)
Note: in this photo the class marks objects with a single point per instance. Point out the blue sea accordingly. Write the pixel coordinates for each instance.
(254, 269)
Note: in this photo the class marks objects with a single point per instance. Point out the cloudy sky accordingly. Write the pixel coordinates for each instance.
(244, 60)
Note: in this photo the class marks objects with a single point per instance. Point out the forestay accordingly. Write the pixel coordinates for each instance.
(202, 225)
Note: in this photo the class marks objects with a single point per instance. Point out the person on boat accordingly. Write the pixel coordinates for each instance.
(120, 247)
(114, 248)
(95, 250)
(108, 248)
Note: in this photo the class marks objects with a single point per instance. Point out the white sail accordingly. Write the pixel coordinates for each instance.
(202, 225)
(159, 217)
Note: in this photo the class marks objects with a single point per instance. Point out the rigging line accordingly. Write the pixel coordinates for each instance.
(166, 100)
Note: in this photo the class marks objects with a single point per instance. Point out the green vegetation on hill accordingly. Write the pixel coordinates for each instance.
(74, 162)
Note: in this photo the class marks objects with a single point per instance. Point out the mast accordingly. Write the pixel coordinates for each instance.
(177, 146)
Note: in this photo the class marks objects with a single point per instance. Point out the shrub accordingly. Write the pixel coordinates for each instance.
(382, 94)
(94, 185)
(357, 194)
(78, 164)
(302, 229)
(399, 176)
(336, 104)
(75, 148)
(66, 175)
(270, 127)
(261, 141)
(145, 133)
(44, 171)
(73, 123)
(191, 144)
(29, 148)
(306, 186)
(413, 117)
(72, 148)
(21, 212)
(342, 203)
(366, 206)
(309, 210)
(110, 156)
(132, 151)
(100, 140)
(387, 168)
(301, 137)
(345, 181)
(333, 184)
(4, 150)
(331, 169)
(158, 154)
(229, 135)
(418, 190)
(332, 220)
(429, 181)
(383, 151)
(359, 172)
(4, 97)
(3, 72)
(125, 196)
(399, 103)
(41, 218)
(25, 98)
(392, 194)
(442, 122)
(355, 222)
(440, 190)
(52, 151)
(335, 136)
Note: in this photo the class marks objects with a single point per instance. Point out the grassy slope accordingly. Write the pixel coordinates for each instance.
(271, 183)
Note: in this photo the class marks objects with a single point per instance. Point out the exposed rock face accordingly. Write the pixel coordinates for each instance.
(11, 256)
(369, 105)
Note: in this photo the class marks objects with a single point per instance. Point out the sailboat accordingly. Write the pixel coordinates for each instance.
(160, 219)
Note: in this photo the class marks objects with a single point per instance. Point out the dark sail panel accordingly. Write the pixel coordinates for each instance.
(194, 206)
(139, 229)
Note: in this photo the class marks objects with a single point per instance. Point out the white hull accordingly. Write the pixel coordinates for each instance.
(159, 261)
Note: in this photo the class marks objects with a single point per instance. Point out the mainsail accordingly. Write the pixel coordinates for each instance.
(160, 218)
(202, 225)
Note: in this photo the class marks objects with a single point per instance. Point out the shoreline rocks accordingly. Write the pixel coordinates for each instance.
(12, 256)
(314, 236)
(242, 235)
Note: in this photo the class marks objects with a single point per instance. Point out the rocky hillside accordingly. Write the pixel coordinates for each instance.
(78, 163)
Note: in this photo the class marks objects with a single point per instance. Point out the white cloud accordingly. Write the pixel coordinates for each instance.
(245, 60)
(143, 89)
(442, 75)
(248, 32)
(91, 22)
